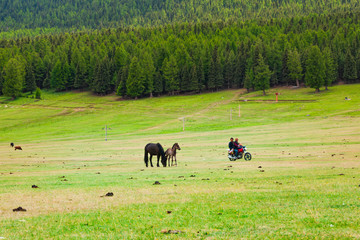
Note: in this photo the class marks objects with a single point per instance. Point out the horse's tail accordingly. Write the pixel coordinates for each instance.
(161, 150)
(146, 160)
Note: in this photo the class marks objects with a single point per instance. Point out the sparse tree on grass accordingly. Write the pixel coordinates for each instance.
(38, 93)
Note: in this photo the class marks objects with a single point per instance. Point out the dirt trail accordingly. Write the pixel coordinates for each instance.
(205, 110)
(215, 104)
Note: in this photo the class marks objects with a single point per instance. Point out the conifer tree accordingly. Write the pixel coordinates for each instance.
(215, 78)
(1, 81)
(240, 67)
(58, 77)
(122, 75)
(357, 60)
(136, 78)
(294, 66)
(158, 83)
(262, 75)
(350, 71)
(315, 69)
(79, 65)
(170, 72)
(39, 71)
(193, 79)
(230, 70)
(285, 68)
(200, 74)
(330, 68)
(149, 72)
(30, 84)
(249, 79)
(102, 78)
(14, 76)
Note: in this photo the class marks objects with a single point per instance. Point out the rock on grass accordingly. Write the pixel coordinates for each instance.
(109, 194)
(19, 209)
(165, 231)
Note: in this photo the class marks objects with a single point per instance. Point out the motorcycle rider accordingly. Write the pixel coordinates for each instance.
(232, 146)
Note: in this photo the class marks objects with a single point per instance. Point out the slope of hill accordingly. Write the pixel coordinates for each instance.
(82, 115)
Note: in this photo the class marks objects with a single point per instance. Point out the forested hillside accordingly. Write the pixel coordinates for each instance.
(96, 14)
(315, 50)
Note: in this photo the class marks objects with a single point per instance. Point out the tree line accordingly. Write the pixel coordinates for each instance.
(97, 14)
(135, 62)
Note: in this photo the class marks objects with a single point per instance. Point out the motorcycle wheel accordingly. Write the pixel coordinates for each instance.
(247, 156)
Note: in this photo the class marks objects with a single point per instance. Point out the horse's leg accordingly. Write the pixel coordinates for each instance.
(168, 160)
(146, 160)
(158, 158)
(175, 160)
(151, 161)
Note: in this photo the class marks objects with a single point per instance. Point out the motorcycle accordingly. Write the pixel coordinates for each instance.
(245, 154)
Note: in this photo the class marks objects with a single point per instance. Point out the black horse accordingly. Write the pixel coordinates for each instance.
(154, 149)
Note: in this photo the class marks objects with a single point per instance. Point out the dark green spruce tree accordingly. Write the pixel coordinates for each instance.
(294, 67)
(171, 75)
(262, 75)
(58, 77)
(330, 68)
(230, 70)
(215, 78)
(102, 78)
(122, 76)
(315, 68)
(136, 78)
(14, 76)
(350, 71)
(30, 81)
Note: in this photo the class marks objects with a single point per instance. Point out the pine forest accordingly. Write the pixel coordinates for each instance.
(151, 48)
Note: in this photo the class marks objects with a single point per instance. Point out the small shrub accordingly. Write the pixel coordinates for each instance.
(38, 93)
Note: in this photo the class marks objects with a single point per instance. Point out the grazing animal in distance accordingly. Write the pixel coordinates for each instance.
(11, 144)
(154, 149)
(17, 148)
(171, 153)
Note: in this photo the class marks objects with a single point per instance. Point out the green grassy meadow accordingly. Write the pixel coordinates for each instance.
(302, 183)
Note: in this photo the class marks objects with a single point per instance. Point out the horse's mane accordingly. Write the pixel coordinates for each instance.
(161, 149)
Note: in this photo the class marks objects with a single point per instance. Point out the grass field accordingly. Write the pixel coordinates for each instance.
(303, 181)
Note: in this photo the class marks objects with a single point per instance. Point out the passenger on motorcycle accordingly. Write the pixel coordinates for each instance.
(238, 147)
